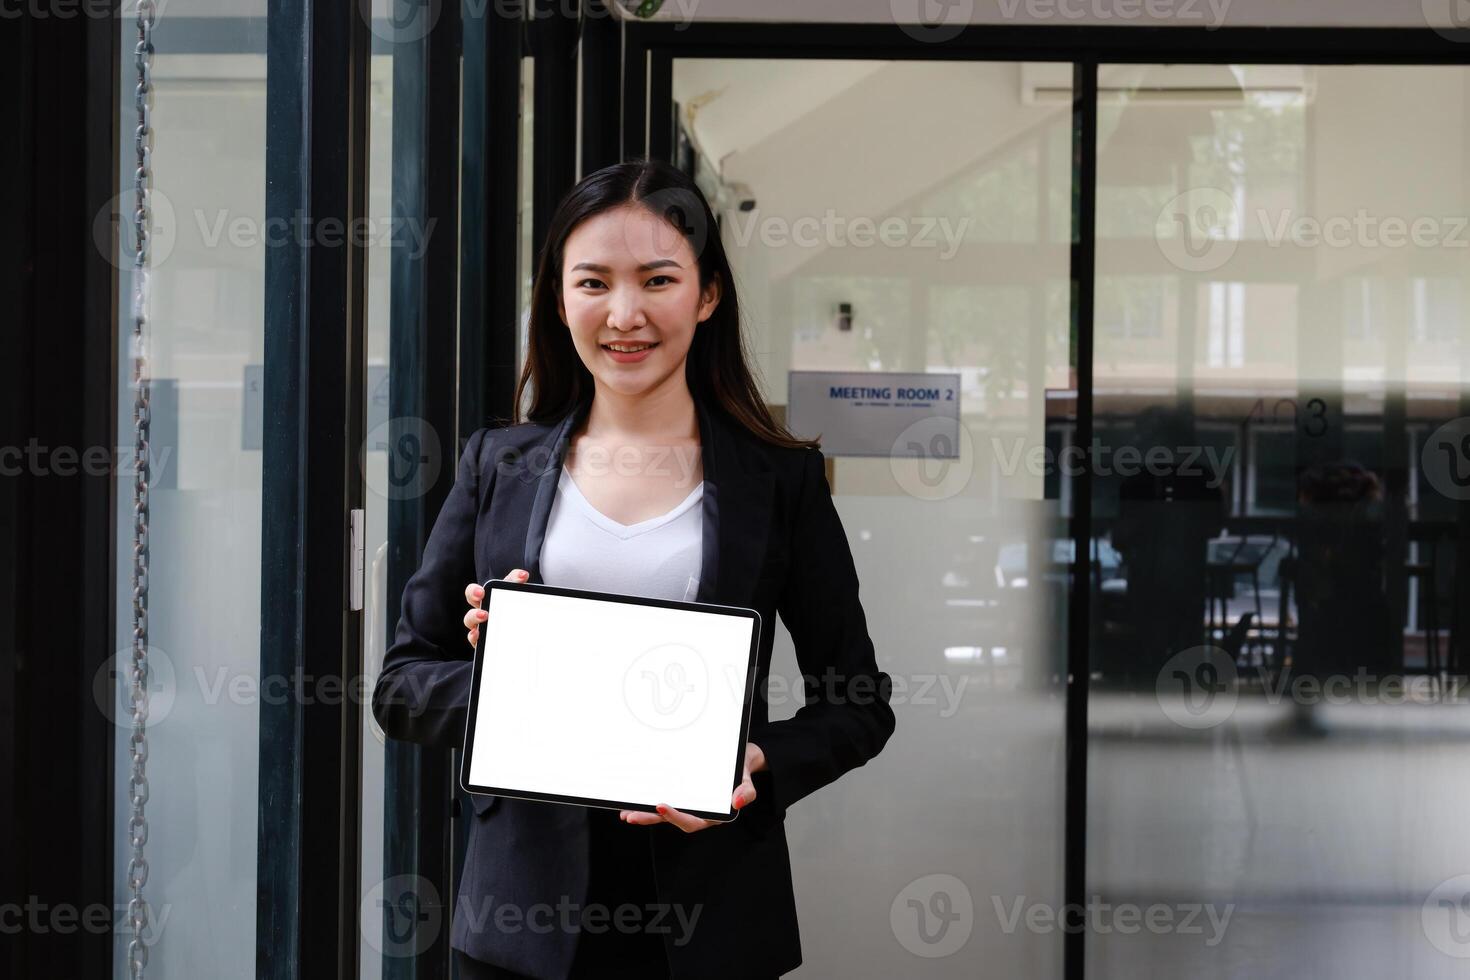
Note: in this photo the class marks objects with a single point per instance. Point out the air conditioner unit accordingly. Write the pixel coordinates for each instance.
(1048, 83)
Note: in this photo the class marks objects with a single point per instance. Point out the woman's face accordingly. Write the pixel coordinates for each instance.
(630, 279)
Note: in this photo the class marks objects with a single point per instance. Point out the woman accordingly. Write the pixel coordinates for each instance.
(648, 465)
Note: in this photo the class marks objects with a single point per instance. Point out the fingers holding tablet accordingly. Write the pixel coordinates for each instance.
(474, 594)
(755, 761)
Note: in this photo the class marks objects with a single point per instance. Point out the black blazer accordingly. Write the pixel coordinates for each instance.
(773, 541)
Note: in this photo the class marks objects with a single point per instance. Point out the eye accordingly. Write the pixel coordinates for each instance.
(653, 281)
(583, 282)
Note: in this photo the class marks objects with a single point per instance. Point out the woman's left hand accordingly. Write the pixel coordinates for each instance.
(755, 761)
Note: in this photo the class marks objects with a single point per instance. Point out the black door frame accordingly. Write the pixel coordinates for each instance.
(649, 128)
(59, 397)
(314, 376)
(617, 60)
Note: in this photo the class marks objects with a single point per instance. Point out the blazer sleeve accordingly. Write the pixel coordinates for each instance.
(423, 692)
(846, 718)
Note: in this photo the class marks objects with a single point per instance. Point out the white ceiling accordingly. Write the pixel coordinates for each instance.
(858, 139)
(732, 105)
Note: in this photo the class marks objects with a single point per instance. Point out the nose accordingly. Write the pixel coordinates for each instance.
(625, 310)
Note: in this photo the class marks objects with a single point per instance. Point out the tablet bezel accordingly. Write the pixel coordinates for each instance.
(466, 749)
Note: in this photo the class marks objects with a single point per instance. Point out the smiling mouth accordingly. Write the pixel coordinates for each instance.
(628, 348)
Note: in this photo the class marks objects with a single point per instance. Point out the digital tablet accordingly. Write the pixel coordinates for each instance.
(608, 700)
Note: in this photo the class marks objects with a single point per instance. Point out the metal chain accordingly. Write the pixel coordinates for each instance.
(138, 689)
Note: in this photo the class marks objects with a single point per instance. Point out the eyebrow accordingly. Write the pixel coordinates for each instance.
(645, 267)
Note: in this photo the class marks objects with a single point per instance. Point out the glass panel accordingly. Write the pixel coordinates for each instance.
(914, 217)
(374, 945)
(1284, 327)
(525, 181)
(395, 479)
(206, 340)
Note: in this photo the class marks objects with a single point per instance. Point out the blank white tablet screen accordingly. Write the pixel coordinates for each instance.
(610, 700)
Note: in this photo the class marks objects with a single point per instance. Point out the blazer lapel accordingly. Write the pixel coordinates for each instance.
(737, 503)
(738, 492)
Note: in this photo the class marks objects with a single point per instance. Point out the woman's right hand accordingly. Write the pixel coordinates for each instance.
(474, 594)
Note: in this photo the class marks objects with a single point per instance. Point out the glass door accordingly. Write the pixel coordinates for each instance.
(906, 226)
(444, 163)
(185, 823)
(1276, 749)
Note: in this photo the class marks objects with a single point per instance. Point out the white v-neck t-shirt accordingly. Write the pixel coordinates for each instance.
(661, 557)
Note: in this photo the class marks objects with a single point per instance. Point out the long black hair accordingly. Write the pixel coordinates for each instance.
(716, 369)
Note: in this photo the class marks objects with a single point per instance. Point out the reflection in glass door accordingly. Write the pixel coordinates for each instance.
(376, 942)
(422, 403)
(915, 217)
(1277, 759)
(205, 337)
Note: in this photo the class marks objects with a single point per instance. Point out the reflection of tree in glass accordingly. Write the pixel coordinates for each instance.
(998, 200)
(1132, 307)
(987, 327)
(1259, 146)
(1000, 196)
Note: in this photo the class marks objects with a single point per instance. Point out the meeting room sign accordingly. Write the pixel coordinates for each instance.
(876, 413)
